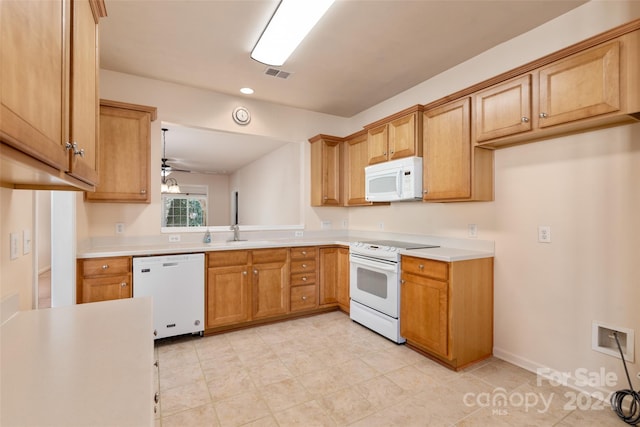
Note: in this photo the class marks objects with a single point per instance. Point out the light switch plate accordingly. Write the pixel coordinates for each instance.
(26, 241)
(13, 245)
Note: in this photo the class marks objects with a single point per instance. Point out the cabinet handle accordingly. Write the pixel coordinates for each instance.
(426, 191)
(123, 284)
(384, 153)
(244, 273)
(543, 115)
(304, 279)
(74, 147)
(155, 332)
(255, 271)
(156, 397)
(325, 198)
(304, 298)
(402, 282)
(105, 266)
(156, 363)
(143, 191)
(304, 252)
(392, 152)
(525, 120)
(304, 265)
(421, 266)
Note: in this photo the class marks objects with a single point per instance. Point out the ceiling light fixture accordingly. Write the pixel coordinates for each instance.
(169, 185)
(246, 90)
(291, 22)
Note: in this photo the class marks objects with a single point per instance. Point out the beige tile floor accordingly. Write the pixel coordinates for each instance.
(326, 370)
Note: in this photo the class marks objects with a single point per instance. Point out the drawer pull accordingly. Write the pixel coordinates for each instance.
(105, 266)
(304, 279)
(156, 363)
(304, 265)
(421, 266)
(304, 252)
(123, 284)
(304, 298)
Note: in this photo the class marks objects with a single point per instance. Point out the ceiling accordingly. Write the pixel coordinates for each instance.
(360, 53)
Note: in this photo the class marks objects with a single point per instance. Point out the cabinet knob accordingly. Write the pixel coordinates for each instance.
(304, 279)
(402, 282)
(304, 265)
(525, 120)
(421, 266)
(325, 198)
(123, 284)
(156, 397)
(143, 191)
(255, 271)
(156, 363)
(304, 252)
(244, 273)
(105, 266)
(426, 191)
(543, 115)
(384, 153)
(392, 152)
(304, 298)
(155, 332)
(74, 147)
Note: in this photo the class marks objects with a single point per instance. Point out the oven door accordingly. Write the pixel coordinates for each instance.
(374, 283)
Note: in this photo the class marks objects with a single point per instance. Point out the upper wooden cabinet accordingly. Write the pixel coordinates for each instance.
(504, 109)
(124, 153)
(355, 158)
(395, 137)
(49, 92)
(453, 170)
(592, 87)
(326, 170)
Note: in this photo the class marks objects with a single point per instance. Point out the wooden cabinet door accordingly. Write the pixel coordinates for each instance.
(503, 109)
(581, 86)
(326, 171)
(106, 288)
(447, 152)
(124, 153)
(270, 278)
(34, 74)
(228, 295)
(355, 160)
(404, 137)
(329, 275)
(377, 144)
(424, 313)
(343, 295)
(84, 92)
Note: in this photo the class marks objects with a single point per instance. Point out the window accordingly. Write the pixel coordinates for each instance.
(184, 210)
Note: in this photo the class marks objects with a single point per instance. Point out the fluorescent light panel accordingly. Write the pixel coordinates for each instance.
(291, 22)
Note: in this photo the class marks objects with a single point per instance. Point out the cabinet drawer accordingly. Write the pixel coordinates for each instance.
(265, 256)
(304, 297)
(303, 252)
(426, 267)
(303, 278)
(106, 288)
(227, 258)
(106, 266)
(304, 266)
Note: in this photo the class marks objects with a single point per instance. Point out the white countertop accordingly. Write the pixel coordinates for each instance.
(88, 364)
(443, 253)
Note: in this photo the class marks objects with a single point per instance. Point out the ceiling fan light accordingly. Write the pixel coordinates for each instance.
(289, 25)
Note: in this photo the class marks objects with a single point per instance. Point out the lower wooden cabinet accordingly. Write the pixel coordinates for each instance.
(228, 288)
(103, 279)
(270, 282)
(446, 309)
(304, 282)
(334, 277)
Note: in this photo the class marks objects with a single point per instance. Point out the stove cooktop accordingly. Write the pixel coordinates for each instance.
(396, 244)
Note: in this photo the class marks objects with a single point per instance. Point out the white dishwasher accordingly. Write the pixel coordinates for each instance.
(176, 285)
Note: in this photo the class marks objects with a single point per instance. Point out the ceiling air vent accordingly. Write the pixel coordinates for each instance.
(274, 72)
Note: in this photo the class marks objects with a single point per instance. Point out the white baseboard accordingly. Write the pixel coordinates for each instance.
(569, 379)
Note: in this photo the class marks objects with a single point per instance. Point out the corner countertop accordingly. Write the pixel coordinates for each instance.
(88, 364)
(450, 250)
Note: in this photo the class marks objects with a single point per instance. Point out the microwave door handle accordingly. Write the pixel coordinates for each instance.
(399, 183)
(379, 266)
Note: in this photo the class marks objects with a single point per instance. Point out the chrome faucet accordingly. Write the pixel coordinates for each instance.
(207, 237)
(236, 232)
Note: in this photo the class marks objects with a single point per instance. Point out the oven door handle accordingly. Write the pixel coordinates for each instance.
(377, 265)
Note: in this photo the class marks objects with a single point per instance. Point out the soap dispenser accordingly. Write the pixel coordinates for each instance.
(207, 237)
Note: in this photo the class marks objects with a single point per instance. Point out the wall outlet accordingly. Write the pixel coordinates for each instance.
(325, 225)
(173, 238)
(13, 245)
(381, 225)
(544, 234)
(299, 233)
(472, 230)
(26, 241)
(119, 227)
(345, 223)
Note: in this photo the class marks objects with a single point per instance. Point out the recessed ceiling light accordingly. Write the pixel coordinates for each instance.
(246, 90)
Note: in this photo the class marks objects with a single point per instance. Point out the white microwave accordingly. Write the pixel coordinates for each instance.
(394, 181)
